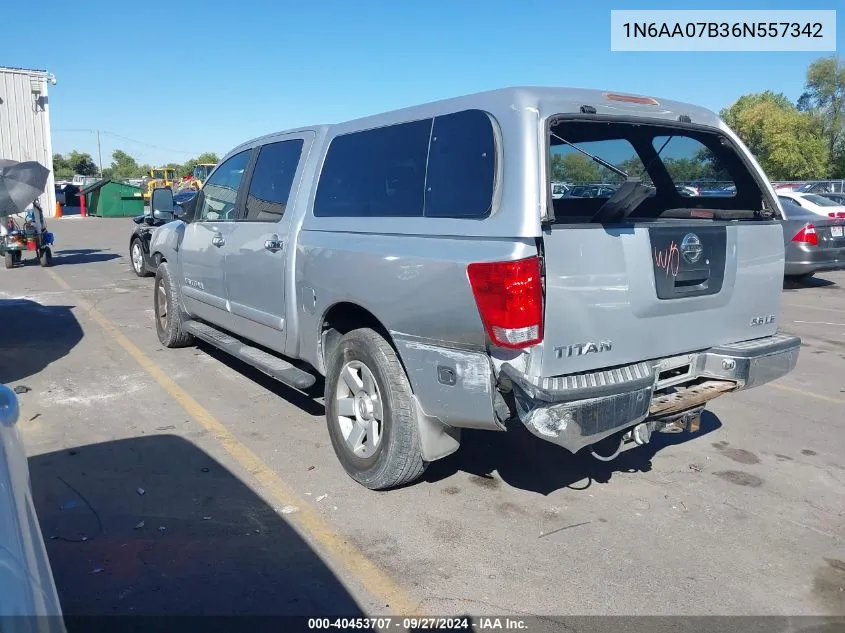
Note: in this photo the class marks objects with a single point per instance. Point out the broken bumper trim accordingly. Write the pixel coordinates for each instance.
(579, 410)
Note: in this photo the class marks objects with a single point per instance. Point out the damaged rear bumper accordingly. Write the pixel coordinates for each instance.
(578, 410)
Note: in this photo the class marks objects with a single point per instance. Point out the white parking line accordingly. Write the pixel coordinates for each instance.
(821, 323)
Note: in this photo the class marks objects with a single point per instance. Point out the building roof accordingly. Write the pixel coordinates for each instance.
(103, 182)
(23, 70)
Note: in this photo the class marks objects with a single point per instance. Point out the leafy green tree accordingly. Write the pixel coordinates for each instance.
(82, 164)
(824, 96)
(788, 143)
(124, 165)
(574, 168)
(205, 157)
(61, 168)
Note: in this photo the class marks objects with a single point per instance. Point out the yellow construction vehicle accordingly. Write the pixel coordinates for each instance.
(159, 177)
(201, 172)
(196, 178)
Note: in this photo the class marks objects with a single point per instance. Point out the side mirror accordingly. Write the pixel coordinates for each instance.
(162, 205)
(9, 408)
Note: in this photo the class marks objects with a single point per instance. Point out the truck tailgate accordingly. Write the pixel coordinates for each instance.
(616, 295)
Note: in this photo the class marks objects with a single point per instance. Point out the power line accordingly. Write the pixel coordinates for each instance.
(130, 140)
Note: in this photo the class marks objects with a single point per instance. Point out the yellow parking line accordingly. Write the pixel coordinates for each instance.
(809, 394)
(375, 580)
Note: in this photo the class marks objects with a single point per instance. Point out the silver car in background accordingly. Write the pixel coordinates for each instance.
(27, 589)
(812, 242)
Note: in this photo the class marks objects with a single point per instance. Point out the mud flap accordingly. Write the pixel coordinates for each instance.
(436, 439)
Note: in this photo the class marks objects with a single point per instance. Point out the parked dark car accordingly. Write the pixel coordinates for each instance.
(143, 263)
(67, 195)
(812, 242)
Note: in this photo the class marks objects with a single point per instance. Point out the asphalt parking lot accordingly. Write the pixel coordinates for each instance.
(181, 481)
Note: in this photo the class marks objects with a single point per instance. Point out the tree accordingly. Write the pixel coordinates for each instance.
(824, 96)
(124, 166)
(61, 169)
(788, 143)
(82, 164)
(574, 168)
(205, 157)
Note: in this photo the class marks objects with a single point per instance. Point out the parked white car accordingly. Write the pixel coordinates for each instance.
(814, 203)
(26, 580)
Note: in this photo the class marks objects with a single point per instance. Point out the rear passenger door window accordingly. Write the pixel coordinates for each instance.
(375, 173)
(220, 192)
(461, 166)
(272, 180)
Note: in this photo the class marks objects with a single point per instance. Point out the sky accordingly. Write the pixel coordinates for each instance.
(167, 81)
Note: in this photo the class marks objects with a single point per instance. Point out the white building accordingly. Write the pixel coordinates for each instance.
(25, 123)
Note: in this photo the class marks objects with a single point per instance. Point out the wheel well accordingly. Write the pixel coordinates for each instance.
(343, 318)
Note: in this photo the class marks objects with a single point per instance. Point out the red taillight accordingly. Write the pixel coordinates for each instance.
(509, 296)
(838, 214)
(808, 235)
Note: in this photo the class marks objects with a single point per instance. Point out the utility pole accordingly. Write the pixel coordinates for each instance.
(99, 154)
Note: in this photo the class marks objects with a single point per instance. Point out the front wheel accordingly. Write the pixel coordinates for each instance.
(370, 412)
(46, 258)
(136, 252)
(168, 315)
(10, 259)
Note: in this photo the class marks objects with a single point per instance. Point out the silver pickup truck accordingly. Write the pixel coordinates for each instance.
(419, 262)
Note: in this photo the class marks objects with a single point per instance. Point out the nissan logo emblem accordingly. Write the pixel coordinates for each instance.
(691, 248)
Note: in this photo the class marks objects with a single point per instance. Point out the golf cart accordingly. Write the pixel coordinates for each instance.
(21, 182)
(31, 236)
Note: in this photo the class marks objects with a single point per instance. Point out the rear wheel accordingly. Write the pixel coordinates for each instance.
(370, 412)
(10, 259)
(136, 252)
(168, 315)
(46, 258)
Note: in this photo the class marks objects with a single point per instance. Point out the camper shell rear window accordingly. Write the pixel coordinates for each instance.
(683, 171)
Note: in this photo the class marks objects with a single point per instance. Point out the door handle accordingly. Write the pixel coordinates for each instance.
(274, 244)
(218, 240)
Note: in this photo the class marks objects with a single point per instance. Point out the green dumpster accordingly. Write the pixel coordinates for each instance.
(113, 199)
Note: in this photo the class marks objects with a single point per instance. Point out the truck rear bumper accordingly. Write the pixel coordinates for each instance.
(578, 410)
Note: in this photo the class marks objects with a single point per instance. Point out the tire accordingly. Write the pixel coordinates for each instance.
(169, 317)
(46, 258)
(136, 257)
(10, 259)
(396, 458)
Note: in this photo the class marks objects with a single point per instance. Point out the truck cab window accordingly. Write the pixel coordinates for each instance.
(272, 180)
(220, 193)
